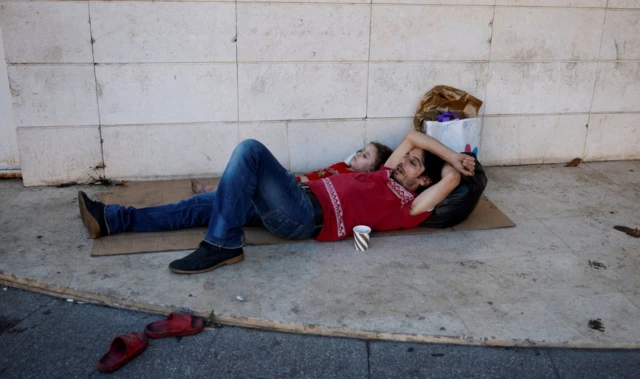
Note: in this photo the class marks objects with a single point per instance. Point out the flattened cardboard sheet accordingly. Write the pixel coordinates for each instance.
(147, 194)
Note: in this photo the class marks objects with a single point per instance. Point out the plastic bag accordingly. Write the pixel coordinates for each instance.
(457, 135)
(441, 99)
(460, 202)
(447, 116)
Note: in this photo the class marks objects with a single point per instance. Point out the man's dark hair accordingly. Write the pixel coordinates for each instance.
(384, 152)
(432, 168)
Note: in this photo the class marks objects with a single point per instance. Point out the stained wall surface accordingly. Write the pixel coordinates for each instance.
(142, 89)
(9, 159)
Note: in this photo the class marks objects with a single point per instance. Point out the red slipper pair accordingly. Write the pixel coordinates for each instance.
(126, 347)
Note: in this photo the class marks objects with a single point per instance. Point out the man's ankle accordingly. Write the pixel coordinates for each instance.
(205, 258)
(92, 214)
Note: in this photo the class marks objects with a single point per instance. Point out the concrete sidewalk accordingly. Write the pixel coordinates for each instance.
(43, 337)
(538, 283)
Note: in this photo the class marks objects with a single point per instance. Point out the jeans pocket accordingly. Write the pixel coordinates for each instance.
(281, 225)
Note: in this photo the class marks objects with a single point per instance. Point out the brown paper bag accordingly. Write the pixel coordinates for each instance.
(442, 99)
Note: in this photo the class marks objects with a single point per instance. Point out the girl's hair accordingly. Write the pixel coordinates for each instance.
(384, 152)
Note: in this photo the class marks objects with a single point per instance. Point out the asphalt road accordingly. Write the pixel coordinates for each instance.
(45, 337)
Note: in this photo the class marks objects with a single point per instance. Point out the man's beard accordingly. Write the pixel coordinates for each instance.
(394, 176)
(406, 183)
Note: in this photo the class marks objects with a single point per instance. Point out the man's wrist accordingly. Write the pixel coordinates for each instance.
(451, 157)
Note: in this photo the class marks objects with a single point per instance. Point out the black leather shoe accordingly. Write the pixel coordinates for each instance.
(206, 258)
(92, 214)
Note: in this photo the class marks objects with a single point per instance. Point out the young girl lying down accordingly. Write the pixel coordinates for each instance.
(369, 158)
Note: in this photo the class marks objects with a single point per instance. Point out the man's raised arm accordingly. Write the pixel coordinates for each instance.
(463, 163)
(435, 194)
(456, 164)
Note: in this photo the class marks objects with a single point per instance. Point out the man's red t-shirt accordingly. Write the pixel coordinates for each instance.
(372, 199)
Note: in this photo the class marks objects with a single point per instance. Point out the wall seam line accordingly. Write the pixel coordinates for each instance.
(366, 106)
(310, 120)
(237, 71)
(595, 81)
(286, 130)
(405, 61)
(486, 89)
(345, 3)
(95, 77)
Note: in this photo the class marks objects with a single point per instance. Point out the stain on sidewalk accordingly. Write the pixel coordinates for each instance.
(596, 325)
(597, 265)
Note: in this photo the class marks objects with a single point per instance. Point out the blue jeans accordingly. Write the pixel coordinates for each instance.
(254, 190)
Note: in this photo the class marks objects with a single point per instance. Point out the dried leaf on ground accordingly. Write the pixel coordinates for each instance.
(631, 232)
(574, 162)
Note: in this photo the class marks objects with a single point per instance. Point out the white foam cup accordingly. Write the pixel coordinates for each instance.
(361, 237)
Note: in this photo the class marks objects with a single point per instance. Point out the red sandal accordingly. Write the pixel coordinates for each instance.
(177, 324)
(123, 349)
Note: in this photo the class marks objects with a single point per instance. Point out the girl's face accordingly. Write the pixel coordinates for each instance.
(365, 159)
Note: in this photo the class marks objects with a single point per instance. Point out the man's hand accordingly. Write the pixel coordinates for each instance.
(464, 164)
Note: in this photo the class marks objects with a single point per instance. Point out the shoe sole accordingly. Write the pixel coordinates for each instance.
(93, 228)
(231, 261)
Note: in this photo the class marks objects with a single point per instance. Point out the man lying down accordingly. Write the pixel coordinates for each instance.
(255, 189)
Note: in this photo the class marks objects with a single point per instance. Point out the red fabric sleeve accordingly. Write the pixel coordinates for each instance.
(340, 168)
(335, 169)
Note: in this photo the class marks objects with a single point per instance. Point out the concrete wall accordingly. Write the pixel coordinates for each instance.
(171, 87)
(9, 158)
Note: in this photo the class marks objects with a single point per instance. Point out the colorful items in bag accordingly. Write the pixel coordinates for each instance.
(441, 99)
(467, 149)
(447, 116)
